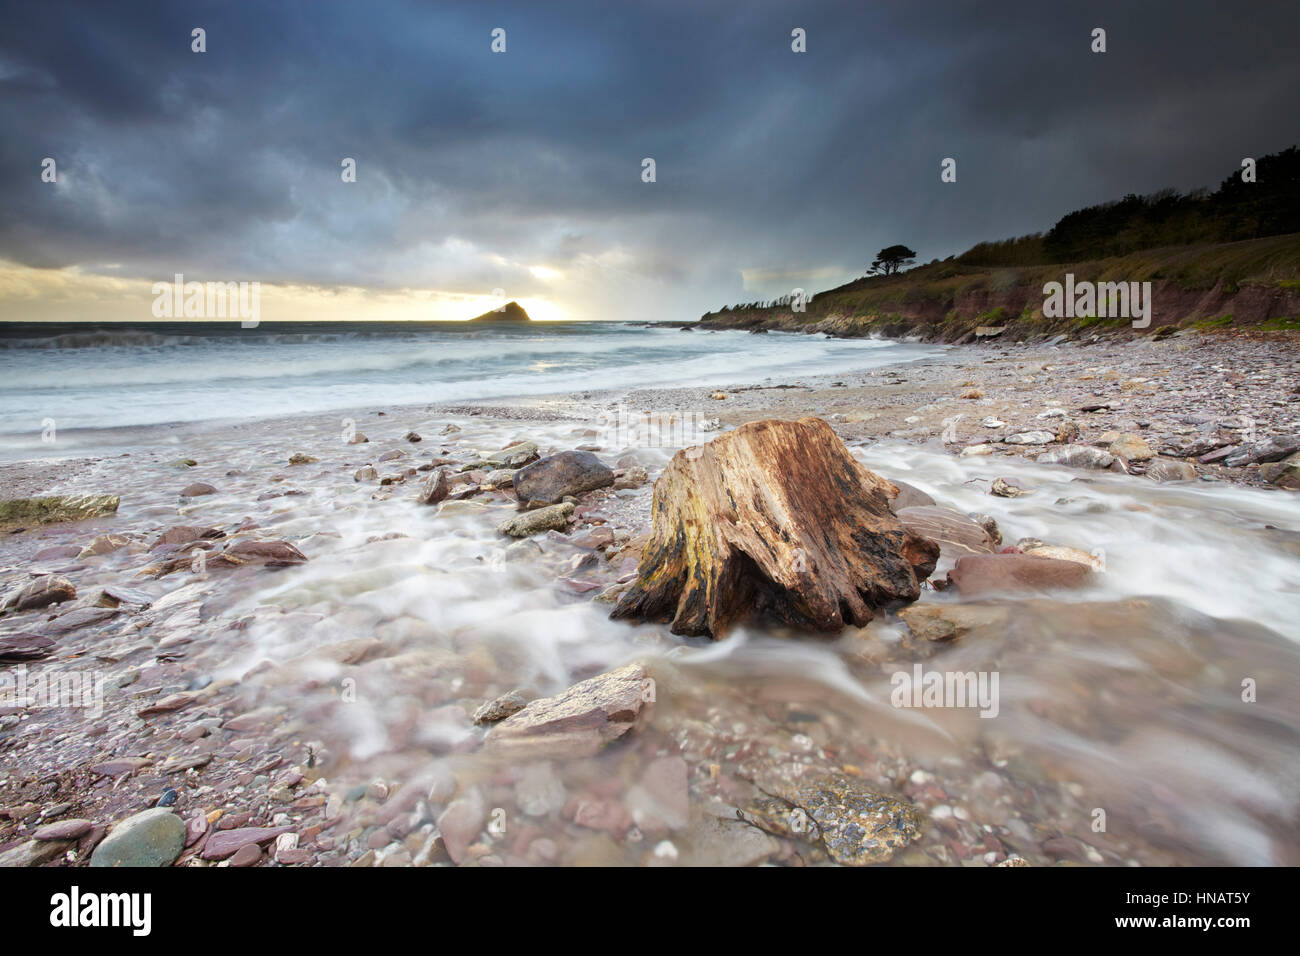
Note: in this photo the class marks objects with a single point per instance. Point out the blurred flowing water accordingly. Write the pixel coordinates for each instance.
(1127, 697)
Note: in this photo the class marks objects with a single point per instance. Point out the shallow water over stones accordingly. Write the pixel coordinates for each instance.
(335, 697)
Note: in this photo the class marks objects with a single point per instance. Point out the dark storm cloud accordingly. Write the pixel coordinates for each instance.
(473, 166)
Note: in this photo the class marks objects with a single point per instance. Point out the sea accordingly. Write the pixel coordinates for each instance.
(80, 377)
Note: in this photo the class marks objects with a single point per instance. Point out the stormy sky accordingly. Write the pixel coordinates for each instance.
(522, 170)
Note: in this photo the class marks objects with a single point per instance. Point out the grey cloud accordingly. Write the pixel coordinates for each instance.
(770, 162)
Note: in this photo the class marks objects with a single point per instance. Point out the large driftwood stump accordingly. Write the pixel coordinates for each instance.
(773, 520)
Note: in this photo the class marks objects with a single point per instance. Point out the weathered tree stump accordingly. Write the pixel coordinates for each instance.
(774, 520)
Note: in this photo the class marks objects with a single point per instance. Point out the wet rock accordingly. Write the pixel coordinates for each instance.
(550, 479)
(168, 704)
(57, 553)
(412, 437)
(1283, 474)
(1063, 848)
(578, 722)
(1066, 554)
(633, 477)
(980, 573)
(1066, 432)
(853, 823)
(727, 842)
(250, 854)
(54, 509)
(23, 648)
(179, 763)
(955, 533)
(254, 719)
(197, 490)
(273, 554)
(34, 853)
(1009, 488)
(1131, 448)
(661, 798)
(70, 829)
(151, 838)
(104, 544)
(500, 708)
(358, 439)
(1030, 438)
(1218, 454)
(1164, 470)
(183, 534)
(601, 813)
(501, 478)
(552, 518)
(120, 765)
(350, 652)
(44, 591)
(365, 473)
(435, 488)
(539, 790)
(300, 458)
(948, 622)
(115, 596)
(76, 619)
(1077, 456)
(513, 456)
(461, 823)
(1269, 450)
(981, 449)
(595, 539)
(909, 496)
(226, 843)
(989, 524)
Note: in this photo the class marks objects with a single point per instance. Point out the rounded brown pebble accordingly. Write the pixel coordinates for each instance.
(71, 829)
(249, 855)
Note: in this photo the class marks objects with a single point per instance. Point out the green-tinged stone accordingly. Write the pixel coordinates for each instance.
(151, 838)
(555, 517)
(27, 512)
(853, 823)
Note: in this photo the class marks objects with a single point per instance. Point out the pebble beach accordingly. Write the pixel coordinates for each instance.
(335, 639)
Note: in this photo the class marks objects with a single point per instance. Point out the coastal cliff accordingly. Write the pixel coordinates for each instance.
(1253, 284)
